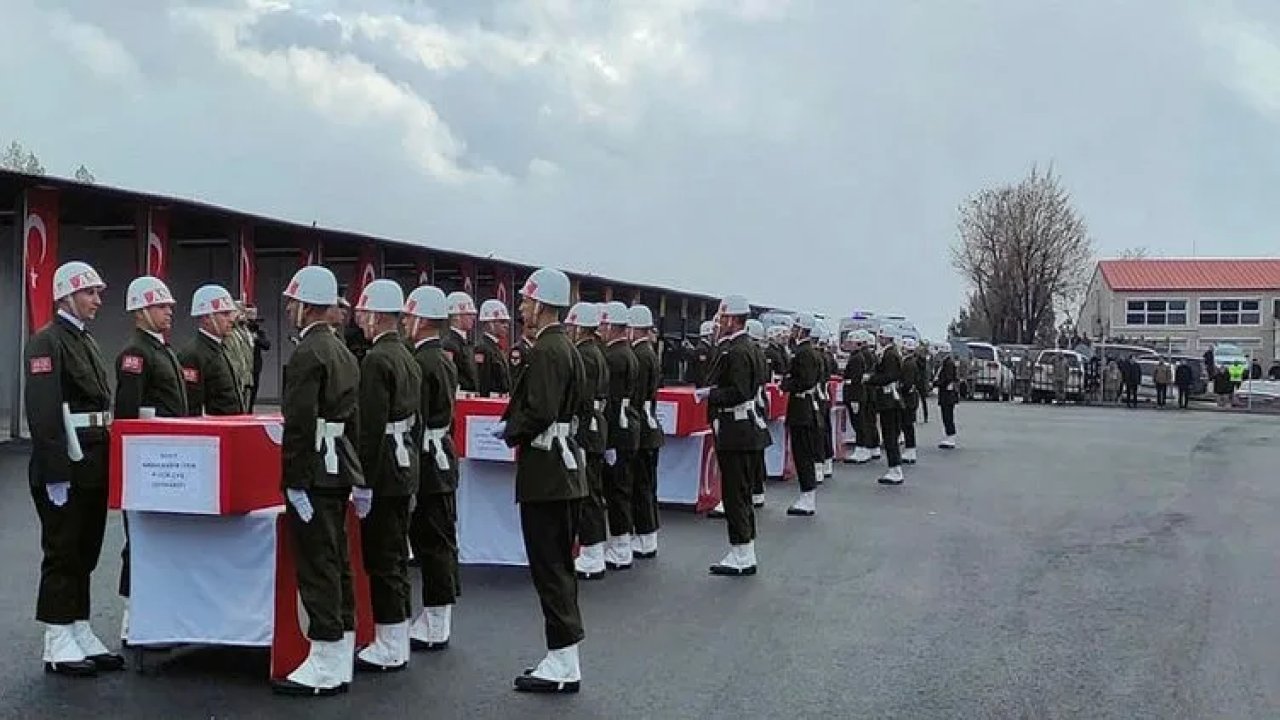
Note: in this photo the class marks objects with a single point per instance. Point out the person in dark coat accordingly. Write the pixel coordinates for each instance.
(948, 398)
(1182, 378)
(210, 378)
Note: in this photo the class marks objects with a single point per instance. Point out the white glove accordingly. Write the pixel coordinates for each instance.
(853, 408)
(58, 492)
(499, 430)
(701, 394)
(610, 457)
(866, 377)
(301, 504)
(362, 498)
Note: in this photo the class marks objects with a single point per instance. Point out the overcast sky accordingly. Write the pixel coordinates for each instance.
(809, 153)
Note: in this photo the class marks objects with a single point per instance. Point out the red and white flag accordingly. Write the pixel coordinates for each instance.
(366, 272)
(157, 264)
(424, 271)
(40, 229)
(248, 270)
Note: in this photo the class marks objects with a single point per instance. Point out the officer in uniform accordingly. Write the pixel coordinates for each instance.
(390, 392)
(493, 373)
(212, 386)
(67, 398)
(755, 331)
(433, 527)
(457, 341)
(149, 381)
(855, 400)
(703, 354)
(737, 381)
(801, 385)
(644, 491)
(909, 389)
(550, 478)
(883, 388)
(515, 358)
(776, 352)
(583, 319)
(623, 434)
(948, 398)
(320, 471)
(825, 466)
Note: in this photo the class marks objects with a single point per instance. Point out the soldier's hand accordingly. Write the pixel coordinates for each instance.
(701, 394)
(611, 457)
(362, 498)
(499, 430)
(301, 504)
(58, 492)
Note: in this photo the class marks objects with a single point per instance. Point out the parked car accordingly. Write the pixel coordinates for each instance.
(1111, 352)
(1199, 378)
(991, 376)
(1042, 385)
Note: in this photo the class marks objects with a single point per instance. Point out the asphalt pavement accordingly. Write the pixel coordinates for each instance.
(1065, 562)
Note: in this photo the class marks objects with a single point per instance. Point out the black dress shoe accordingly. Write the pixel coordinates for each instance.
(531, 684)
(889, 481)
(588, 576)
(644, 555)
(797, 512)
(616, 566)
(75, 668)
(107, 662)
(423, 645)
(363, 665)
(715, 514)
(291, 688)
(728, 571)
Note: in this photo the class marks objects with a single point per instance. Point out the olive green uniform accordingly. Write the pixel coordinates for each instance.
(148, 375)
(592, 438)
(460, 350)
(761, 368)
(322, 383)
(624, 435)
(64, 366)
(493, 373)
(433, 527)
(855, 395)
(948, 395)
(803, 421)
(883, 389)
(909, 389)
(550, 480)
(829, 370)
(644, 491)
(736, 381)
(704, 355)
(515, 359)
(239, 345)
(390, 390)
(212, 387)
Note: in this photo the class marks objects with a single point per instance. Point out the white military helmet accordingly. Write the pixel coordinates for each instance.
(804, 321)
(639, 317)
(755, 329)
(865, 337)
(313, 285)
(707, 328)
(493, 310)
(461, 303)
(74, 276)
(910, 344)
(584, 315)
(548, 286)
(614, 313)
(145, 292)
(427, 302)
(381, 296)
(734, 305)
(210, 299)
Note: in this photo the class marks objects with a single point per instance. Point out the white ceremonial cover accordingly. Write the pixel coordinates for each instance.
(202, 579)
(680, 469)
(775, 456)
(488, 517)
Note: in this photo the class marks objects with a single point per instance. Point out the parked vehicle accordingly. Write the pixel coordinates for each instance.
(1042, 377)
(991, 377)
(1199, 378)
(1121, 352)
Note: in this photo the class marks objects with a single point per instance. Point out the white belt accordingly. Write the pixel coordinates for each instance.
(649, 416)
(433, 439)
(90, 419)
(397, 430)
(812, 393)
(599, 407)
(748, 410)
(326, 434)
(75, 421)
(558, 434)
(622, 413)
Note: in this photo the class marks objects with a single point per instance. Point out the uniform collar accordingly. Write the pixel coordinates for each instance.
(154, 336)
(492, 337)
(425, 341)
(211, 336)
(395, 335)
(310, 327)
(553, 327)
(635, 343)
(724, 340)
(76, 322)
(461, 333)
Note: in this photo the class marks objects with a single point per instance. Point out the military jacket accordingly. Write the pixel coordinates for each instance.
(148, 375)
(778, 360)
(761, 369)
(210, 378)
(645, 398)
(549, 393)
(591, 411)
(390, 392)
(321, 382)
(462, 353)
(854, 369)
(909, 387)
(946, 382)
(700, 364)
(623, 378)
(801, 384)
(64, 365)
(735, 387)
(435, 412)
(883, 386)
(516, 358)
(493, 373)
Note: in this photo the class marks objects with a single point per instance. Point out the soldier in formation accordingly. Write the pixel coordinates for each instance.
(457, 342)
(884, 390)
(593, 531)
(804, 424)
(212, 386)
(493, 371)
(624, 433)
(644, 473)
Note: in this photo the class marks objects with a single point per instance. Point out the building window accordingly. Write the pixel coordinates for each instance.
(1230, 312)
(1155, 312)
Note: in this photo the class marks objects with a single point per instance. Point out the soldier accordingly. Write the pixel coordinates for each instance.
(644, 491)
(320, 470)
(583, 320)
(623, 434)
(755, 331)
(948, 397)
(212, 387)
(493, 373)
(516, 357)
(703, 354)
(149, 381)
(737, 380)
(457, 341)
(855, 398)
(433, 528)
(883, 390)
(239, 348)
(801, 385)
(550, 481)
(67, 399)
(390, 394)
(776, 352)
(909, 389)
(829, 370)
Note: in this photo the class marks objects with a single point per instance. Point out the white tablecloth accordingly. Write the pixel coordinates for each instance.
(680, 469)
(488, 517)
(775, 456)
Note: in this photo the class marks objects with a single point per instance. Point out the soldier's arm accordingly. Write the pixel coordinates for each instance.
(44, 409)
(733, 386)
(193, 377)
(540, 406)
(301, 407)
(131, 370)
(375, 412)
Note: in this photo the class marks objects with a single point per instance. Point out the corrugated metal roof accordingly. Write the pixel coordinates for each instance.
(1178, 274)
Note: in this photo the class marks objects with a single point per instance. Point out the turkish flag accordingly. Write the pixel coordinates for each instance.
(468, 270)
(248, 270)
(424, 271)
(503, 295)
(157, 243)
(366, 272)
(41, 255)
(308, 252)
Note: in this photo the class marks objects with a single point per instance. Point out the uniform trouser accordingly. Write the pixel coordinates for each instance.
(806, 449)
(592, 528)
(738, 469)
(907, 419)
(828, 449)
(644, 491)
(434, 537)
(1184, 395)
(323, 563)
(757, 481)
(1162, 392)
(549, 529)
(71, 541)
(890, 421)
(948, 418)
(924, 408)
(125, 573)
(868, 436)
(618, 491)
(386, 557)
(1131, 394)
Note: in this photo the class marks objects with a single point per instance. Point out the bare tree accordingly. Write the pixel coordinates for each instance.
(1025, 252)
(19, 159)
(1135, 253)
(84, 176)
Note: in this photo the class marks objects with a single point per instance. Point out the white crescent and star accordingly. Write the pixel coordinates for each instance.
(35, 222)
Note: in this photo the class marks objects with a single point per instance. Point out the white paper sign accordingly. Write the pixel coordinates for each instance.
(171, 473)
(482, 445)
(668, 412)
